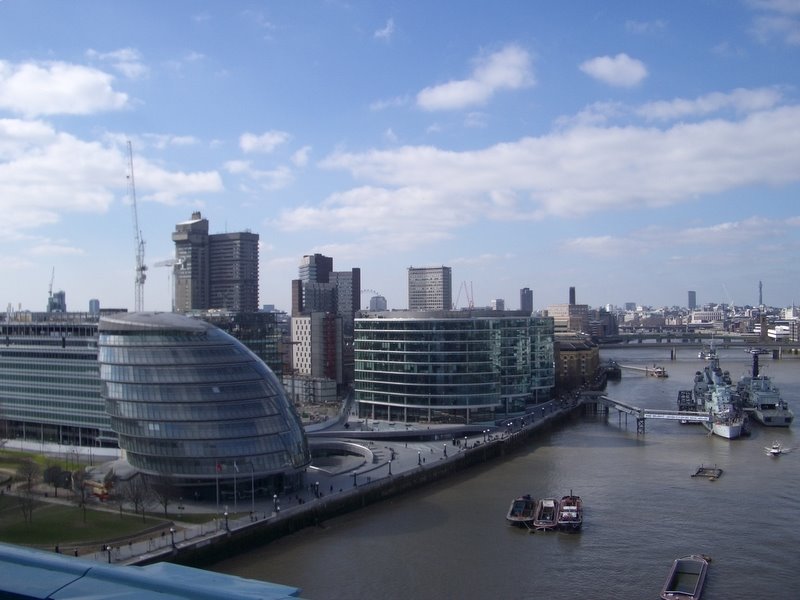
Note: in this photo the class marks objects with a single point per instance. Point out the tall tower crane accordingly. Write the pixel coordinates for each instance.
(137, 234)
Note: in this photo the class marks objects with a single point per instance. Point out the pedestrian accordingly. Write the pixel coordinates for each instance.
(57, 550)
(75, 552)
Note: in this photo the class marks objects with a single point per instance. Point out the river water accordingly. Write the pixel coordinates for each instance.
(642, 510)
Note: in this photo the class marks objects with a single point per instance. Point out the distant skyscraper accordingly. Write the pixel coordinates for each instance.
(377, 303)
(572, 295)
(315, 267)
(94, 307)
(526, 300)
(692, 299)
(57, 302)
(430, 288)
(498, 304)
(214, 271)
(760, 294)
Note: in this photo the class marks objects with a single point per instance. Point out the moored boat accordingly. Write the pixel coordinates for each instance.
(570, 513)
(546, 515)
(657, 371)
(521, 511)
(686, 578)
(763, 398)
(713, 393)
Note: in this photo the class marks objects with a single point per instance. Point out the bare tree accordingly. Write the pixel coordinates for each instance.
(135, 491)
(164, 490)
(79, 489)
(29, 472)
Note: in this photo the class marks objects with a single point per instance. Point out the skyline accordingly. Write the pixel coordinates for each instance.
(634, 152)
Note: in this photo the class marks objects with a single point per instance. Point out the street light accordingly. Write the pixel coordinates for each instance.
(419, 458)
(316, 489)
(275, 502)
(108, 549)
(465, 442)
(226, 521)
(172, 535)
(445, 450)
(390, 466)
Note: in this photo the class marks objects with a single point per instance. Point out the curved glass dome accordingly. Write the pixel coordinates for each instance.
(190, 401)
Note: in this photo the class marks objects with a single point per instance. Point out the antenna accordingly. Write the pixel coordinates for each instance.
(137, 234)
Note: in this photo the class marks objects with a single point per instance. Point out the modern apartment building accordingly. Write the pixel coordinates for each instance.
(452, 367)
(430, 288)
(214, 271)
(526, 300)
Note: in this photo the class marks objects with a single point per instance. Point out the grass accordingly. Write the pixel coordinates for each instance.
(59, 524)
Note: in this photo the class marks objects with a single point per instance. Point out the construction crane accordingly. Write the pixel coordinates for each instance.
(174, 263)
(467, 289)
(137, 234)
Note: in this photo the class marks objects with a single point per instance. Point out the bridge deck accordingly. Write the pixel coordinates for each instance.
(649, 413)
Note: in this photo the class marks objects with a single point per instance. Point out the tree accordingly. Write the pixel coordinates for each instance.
(79, 488)
(164, 490)
(29, 472)
(136, 492)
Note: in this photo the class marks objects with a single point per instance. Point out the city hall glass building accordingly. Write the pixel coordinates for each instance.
(451, 366)
(191, 402)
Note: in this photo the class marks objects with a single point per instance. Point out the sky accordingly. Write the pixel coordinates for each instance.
(633, 150)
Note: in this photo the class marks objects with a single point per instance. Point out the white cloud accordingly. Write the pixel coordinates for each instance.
(34, 89)
(54, 249)
(125, 60)
(620, 70)
(778, 19)
(740, 100)
(645, 27)
(300, 157)
(161, 141)
(396, 102)
(266, 142)
(40, 179)
(386, 32)
(390, 136)
(509, 69)
(567, 173)
(269, 180)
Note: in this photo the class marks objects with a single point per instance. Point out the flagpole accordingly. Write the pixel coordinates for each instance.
(216, 471)
(252, 491)
(235, 495)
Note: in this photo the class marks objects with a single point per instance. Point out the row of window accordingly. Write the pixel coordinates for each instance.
(204, 430)
(253, 390)
(139, 355)
(186, 412)
(202, 449)
(179, 374)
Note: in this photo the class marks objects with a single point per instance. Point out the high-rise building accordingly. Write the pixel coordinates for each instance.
(692, 299)
(430, 288)
(214, 271)
(498, 304)
(526, 300)
(572, 295)
(94, 307)
(377, 303)
(315, 267)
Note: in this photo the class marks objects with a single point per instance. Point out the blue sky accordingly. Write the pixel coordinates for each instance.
(634, 150)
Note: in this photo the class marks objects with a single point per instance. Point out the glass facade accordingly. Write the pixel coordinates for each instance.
(451, 367)
(50, 381)
(190, 401)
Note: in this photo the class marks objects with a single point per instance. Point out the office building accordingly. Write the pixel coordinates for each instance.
(526, 300)
(214, 271)
(430, 288)
(692, 300)
(377, 303)
(50, 381)
(498, 304)
(451, 367)
(190, 402)
(317, 346)
(94, 307)
(572, 295)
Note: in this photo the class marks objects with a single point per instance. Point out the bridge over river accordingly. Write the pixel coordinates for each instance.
(601, 402)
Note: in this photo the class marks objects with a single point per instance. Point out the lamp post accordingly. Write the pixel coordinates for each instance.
(390, 466)
(316, 489)
(355, 482)
(419, 458)
(275, 503)
(445, 450)
(465, 442)
(226, 521)
(172, 535)
(108, 549)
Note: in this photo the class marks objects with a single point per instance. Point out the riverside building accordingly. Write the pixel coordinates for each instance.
(192, 403)
(452, 366)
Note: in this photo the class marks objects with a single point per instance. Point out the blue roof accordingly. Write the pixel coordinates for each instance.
(36, 574)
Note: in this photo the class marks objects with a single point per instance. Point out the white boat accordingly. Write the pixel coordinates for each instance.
(714, 393)
(776, 449)
(570, 514)
(760, 394)
(686, 578)
(546, 516)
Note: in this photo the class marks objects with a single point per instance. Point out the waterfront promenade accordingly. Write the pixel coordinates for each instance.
(403, 458)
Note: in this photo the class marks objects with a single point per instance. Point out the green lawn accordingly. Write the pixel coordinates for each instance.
(57, 524)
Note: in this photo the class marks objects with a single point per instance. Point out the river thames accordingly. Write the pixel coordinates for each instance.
(642, 510)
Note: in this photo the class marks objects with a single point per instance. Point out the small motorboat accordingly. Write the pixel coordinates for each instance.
(521, 511)
(546, 515)
(776, 449)
(686, 578)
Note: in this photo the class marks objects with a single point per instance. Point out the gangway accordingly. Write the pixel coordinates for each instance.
(642, 414)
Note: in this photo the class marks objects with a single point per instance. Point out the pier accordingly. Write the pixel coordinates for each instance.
(603, 403)
(654, 371)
